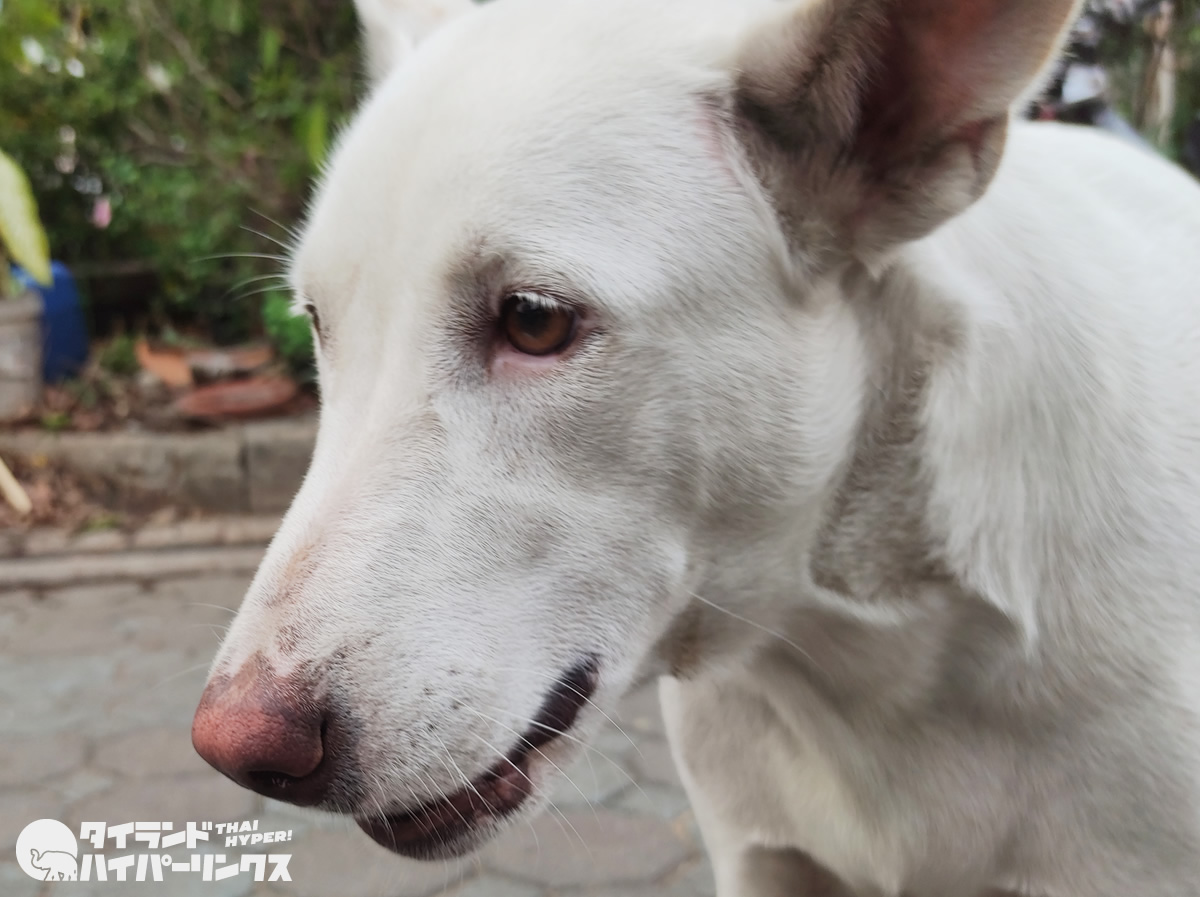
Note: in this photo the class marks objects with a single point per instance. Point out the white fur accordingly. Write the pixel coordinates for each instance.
(1026, 717)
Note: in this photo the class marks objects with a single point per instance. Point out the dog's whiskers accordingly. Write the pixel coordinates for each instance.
(225, 256)
(282, 245)
(522, 738)
(229, 610)
(759, 626)
(445, 756)
(588, 748)
(171, 678)
(586, 698)
(277, 281)
(550, 803)
(292, 233)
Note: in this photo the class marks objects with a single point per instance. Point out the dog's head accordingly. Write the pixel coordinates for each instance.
(578, 274)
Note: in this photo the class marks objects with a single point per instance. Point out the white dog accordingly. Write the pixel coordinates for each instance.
(752, 344)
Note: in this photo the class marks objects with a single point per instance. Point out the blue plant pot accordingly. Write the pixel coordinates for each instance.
(64, 335)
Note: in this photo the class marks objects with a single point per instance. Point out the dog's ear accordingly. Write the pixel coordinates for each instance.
(873, 121)
(392, 28)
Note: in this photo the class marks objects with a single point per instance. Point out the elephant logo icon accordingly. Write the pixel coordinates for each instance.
(57, 865)
(48, 851)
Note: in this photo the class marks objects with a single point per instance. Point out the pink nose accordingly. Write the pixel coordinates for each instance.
(265, 733)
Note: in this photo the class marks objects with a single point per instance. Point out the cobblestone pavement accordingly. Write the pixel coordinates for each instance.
(97, 687)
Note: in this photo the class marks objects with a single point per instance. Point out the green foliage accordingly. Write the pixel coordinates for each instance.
(55, 421)
(190, 121)
(120, 356)
(291, 334)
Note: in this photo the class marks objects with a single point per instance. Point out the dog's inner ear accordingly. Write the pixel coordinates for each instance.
(873, 121)
(393, 28)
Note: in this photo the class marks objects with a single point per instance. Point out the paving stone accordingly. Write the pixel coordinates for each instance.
(18, 808)
(14, 616)
(493, 886)
(150, 691)
(194, 798)
(613, 743)
(654, 763)
(15, 883)
(223, 591)
(640, 711)
(303, 819)
(349, 864)
(150, 753)
(81, 783)
(97, 595)
(588, 781)
(174, 884)
(95, 626)
(30, 760)
(582, 848)
(43, 695)
(694, 879)
(657, 800)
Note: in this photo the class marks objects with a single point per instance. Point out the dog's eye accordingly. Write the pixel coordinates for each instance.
(311, 311)
(536, 326)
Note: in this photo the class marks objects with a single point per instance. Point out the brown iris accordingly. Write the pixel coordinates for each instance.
(535, 327)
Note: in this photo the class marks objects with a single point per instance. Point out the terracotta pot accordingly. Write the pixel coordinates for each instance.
(238, 398)
(20, 355)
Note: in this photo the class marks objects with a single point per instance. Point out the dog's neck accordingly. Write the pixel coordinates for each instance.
(870, 606)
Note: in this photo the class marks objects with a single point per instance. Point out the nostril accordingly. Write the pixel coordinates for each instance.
(301, 769)
(267, 734)
(273, 782)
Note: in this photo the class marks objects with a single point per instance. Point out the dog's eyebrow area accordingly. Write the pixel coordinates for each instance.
(590, 266)
(485, 272)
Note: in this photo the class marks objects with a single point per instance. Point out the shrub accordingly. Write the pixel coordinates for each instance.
(155, 131)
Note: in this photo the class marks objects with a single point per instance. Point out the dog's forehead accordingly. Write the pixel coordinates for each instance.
(530, 128)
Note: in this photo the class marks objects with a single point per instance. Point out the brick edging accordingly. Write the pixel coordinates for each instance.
(255, 467)
(49, 572)
(206, 532)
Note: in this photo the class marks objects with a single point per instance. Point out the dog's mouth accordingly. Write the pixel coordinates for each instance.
(453, 824)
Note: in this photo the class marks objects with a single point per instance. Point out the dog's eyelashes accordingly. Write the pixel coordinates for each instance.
(311, 311)
(536, 325)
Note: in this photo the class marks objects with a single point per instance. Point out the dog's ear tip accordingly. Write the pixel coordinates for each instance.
(393, 28)
(901, 98)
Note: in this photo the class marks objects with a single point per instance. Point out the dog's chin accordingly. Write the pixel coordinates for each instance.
(462, 822)
(454, 824)
(442, 846)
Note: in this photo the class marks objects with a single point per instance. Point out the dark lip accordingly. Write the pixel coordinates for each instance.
(454, 824)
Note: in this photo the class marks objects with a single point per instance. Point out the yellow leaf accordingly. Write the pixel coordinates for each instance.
(20, 230)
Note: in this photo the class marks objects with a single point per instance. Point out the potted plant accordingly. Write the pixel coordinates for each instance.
(23, 241)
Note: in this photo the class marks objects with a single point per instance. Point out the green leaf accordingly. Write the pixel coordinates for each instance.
(314, 130)
(227, 16)
(269, 45)
(20, 229)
